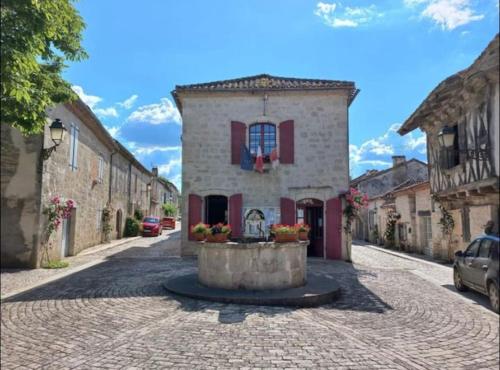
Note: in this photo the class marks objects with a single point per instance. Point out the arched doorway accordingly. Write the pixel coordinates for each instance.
(310, 212)
(119, 224)
(215, 209)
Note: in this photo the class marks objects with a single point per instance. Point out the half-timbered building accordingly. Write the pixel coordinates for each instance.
(305, 123)
(461, 120)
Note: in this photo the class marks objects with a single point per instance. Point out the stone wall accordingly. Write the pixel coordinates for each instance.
(20, 197)
(321, 165)
(120, 178)
(81, 184)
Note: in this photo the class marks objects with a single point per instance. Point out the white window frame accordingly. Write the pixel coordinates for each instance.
(99, 219)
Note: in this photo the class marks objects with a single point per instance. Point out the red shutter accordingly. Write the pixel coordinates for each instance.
(194, 212)
(238, 134)
(235, 205)
(334, 229)
(287, 211)
(286, 144)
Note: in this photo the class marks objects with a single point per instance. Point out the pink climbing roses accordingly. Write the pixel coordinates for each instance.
(57, 210)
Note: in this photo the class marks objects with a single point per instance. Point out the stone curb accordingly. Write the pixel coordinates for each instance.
(68, 271)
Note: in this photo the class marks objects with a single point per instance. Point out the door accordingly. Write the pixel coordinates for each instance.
(66, 229)
(426, 234)
(314, 218)
(480, 264)
(467, 268)
(119, 224)
(310, 212)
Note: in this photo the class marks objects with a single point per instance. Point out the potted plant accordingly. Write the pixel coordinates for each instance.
(199, 231)
(303, 231)
(218, 233)
(284, 233)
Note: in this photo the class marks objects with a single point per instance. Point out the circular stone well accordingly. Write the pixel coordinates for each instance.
(252, 266)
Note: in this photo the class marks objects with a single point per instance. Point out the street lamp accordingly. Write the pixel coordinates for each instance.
(446, 137)
(57, 131)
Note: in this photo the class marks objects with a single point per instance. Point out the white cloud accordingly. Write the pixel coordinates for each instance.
(156, 114)
(128, 103)
(90, 100)
(167, 168)
(448, 14)
(336, 15)
(147, 150)
(416, 143)
(114, 131)
(106, 112)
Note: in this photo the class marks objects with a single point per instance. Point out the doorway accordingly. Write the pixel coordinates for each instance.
(310, 212)
(215, 209)
(67, 230)
(119, 224)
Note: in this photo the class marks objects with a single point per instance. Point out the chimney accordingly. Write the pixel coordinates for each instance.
(398, 159)
(155, 171)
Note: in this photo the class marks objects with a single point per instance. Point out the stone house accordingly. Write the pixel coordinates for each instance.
(304, 120)
(461, 120)
(130, 188)
(165, 192)
(377, 185)
(77, 169)
(89, 166)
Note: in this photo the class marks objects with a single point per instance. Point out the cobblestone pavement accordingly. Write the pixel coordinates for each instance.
(116, 315)
(13, 280)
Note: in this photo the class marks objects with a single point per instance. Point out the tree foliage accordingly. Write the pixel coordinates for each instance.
(37, 37)
(169, 209)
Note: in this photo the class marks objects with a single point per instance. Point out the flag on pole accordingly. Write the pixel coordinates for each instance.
(274, 159)
(246, 162)
(259, 161)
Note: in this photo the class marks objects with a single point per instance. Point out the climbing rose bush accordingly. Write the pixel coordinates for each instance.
(355, 202)
(57, 210)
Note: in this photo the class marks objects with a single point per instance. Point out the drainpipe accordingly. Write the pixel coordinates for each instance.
(129, 203)
(110, 175)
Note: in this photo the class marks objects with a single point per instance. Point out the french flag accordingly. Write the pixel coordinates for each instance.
(259, 161)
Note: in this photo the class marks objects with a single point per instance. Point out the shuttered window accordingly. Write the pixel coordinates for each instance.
(286, 142)
(238, 133)
(100, 175)
(465, 224)
(73, 147)
(263, 135)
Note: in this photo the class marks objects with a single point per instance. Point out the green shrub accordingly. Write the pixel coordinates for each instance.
(56, 264)
(169, 209)
(138, 215)
(131, 227)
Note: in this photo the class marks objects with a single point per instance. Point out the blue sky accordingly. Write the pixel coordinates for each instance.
(396, 51)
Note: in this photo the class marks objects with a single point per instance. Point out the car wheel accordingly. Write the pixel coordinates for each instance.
(457, 280)
(493, 294)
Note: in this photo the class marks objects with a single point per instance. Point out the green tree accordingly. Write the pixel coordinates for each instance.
(169, 209)
(37, 37)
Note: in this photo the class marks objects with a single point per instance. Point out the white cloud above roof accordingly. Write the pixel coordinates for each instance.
(90, 100)
(157, 113)
(336, 15)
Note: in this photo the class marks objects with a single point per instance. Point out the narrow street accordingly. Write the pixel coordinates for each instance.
(394, 313)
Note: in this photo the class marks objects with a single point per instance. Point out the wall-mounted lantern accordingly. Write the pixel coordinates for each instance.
(446, 136)
(57, 131)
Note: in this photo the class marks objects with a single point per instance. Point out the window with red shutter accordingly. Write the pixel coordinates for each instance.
(238, 134)
(287, 207)
(235, 216)
(286, 142)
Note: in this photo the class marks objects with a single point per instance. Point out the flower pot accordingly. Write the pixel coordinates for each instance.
(217, 238)
(303, 235)
(199, 237)
(285, 238)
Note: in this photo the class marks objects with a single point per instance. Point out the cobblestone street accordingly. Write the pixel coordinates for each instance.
(394, 313)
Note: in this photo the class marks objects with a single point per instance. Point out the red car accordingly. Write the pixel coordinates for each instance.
(168, 222)
(151, 226)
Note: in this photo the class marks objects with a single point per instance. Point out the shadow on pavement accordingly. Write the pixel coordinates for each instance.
(140, 271)
(476, 297)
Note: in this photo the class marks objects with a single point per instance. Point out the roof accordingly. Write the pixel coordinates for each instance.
(451, 86)
(266, 82)
(369, 175)
(126, 153)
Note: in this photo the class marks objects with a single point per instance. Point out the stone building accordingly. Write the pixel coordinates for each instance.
(130, 188)
(89, 166)
(377, 185)
(163, 192)
(461, 120)
(305, 120)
